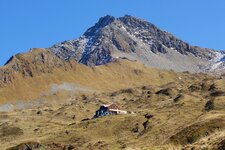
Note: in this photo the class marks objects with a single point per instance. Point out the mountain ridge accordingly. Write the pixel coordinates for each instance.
(124, 37)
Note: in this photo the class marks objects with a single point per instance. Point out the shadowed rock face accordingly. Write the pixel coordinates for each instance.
(103, 22)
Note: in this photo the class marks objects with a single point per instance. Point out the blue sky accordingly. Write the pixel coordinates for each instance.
(29, 24)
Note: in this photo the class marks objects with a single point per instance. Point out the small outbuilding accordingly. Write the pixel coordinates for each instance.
(106, 110)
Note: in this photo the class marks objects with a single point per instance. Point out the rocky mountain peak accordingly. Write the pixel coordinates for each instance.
(110, 36)
(136, 39)
(103, 21)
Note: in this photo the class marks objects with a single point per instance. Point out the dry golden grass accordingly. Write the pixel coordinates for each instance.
(181, 124)
(113, 76)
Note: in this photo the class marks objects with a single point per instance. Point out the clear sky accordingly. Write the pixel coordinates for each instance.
(29, 24)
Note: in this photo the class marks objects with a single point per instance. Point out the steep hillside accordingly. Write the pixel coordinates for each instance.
(33, 63)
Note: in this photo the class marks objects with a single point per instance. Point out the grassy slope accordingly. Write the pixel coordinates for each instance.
(183, 123)
(110, 77)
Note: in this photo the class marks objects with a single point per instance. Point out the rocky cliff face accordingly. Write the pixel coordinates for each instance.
(134, 38)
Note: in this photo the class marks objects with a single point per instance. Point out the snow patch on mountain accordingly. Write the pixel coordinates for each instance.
(217, 63)
(219, 56)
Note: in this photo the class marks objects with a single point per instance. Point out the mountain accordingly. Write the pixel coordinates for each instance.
(109, 40)
(48, 96)
(136, 39)
(125, 37)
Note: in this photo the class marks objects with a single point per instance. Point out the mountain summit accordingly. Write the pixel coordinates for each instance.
(135, 39)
